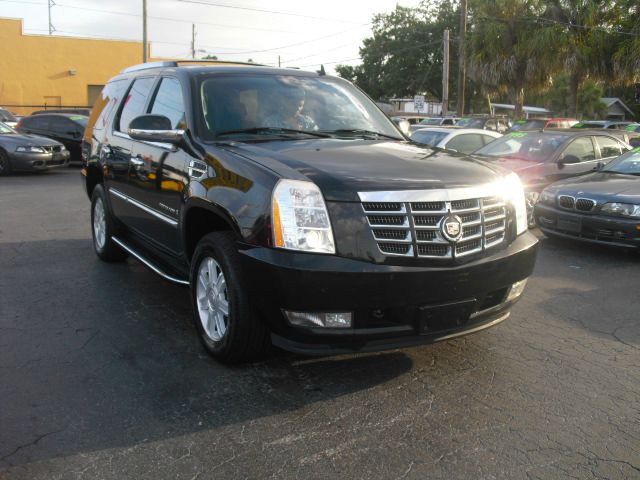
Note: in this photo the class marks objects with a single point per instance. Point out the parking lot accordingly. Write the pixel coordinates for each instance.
(102, 375)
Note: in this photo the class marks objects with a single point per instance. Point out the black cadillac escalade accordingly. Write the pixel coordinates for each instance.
(297, 213)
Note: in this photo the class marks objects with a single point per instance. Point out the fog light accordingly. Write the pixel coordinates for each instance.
(516, 290)
(318, 319)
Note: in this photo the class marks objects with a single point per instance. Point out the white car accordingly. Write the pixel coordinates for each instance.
(463, 140)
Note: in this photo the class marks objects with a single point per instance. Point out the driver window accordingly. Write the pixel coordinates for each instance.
(582, 148)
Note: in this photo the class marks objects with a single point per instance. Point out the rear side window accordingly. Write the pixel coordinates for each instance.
(466, 143)
(169, 102)
(60, 125)
(38, 122)
(609, 147)
(106, 104)
(135, 102)
(582, 148)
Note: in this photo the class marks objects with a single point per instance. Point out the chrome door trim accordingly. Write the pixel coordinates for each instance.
(142, 206)
(166, 146)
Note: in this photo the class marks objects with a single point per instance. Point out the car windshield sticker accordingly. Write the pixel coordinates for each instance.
(578, 125)
(518, 134)
(632, 127)
(520, 122)
(636, 150)
(77, 117)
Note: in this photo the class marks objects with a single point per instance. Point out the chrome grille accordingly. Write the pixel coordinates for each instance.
(414, 228)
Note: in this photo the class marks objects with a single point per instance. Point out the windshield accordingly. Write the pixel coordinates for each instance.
(7, 116)
(427, 137)
(471, 122)
(258, 104)
(529, 146)
(628, 163)
(527, 125)
(81, 119)
(431, 121)
(5, 129)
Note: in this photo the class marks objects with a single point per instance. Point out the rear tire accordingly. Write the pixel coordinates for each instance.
(222, 309)
(5, 163)
(103, 227)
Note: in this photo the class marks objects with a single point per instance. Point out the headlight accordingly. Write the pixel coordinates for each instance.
(300, 218)
(621, 209)
(514, 193)
(30, 149)
(547, 197)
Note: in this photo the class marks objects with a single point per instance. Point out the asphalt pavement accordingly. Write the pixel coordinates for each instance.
(102, 375)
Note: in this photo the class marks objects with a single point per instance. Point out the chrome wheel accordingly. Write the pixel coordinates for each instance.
(213, 299)
(99, 224)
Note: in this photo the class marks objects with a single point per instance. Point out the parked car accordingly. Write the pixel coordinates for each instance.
(436, 122)
(542, 124)
(64, 127)
(601, 207)
(29, 152)
(8, 118)
(463, 140)
(633, 128)
(321, 232)
(403, 124)
(591, 124)
(541, 158)
(495, 124)
(411, 119)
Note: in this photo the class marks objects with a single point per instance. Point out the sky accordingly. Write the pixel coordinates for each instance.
(303, 33)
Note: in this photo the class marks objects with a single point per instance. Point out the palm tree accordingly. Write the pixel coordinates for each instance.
(510, 51)
(626, 59)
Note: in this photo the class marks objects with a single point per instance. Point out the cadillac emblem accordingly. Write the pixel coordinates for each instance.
(451, 228)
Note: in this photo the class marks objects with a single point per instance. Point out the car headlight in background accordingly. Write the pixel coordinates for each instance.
(547, 197)
(300, 219)
(30, 149)
(621, 209)
(514, 193)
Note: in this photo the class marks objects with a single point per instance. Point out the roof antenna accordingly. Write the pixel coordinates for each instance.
(321, 72)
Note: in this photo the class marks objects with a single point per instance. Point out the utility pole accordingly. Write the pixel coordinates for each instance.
(144, 31)
(445, 75)
(52, 29)
(462, 65)
(193, 41)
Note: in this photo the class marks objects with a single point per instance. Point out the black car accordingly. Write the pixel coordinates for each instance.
(66, 128)
(29, 152)
(297, 213)
(601, 207)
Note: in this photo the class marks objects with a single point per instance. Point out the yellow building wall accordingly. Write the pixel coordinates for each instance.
(40, 69)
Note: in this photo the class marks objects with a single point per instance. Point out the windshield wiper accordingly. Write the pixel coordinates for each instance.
(359, 131)
(276, 130)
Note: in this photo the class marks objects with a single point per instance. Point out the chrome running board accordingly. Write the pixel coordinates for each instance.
(148, 263)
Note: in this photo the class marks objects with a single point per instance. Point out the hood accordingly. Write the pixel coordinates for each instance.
(601, 186)
(20, 139)
(341, 168)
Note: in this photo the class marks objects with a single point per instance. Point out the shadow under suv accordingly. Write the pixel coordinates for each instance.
(297, 213)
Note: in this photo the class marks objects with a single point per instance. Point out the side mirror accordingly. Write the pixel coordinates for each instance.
(567, 160)
(154, 128)
(599, 166)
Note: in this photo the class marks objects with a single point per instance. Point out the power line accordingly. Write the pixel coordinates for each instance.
(220, 5)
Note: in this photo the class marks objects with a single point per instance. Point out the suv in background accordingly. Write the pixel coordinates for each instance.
(66, 128)
(296, 212)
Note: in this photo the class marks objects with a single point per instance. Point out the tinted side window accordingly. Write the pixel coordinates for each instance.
(60, 125)
(169, 102)
(487, 139)
(582, 148)
(105, 104)
(135, 102)
(38, 122)
(609, 147)
(466, 143)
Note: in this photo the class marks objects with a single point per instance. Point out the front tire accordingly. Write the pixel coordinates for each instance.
(103, 227)
(5, 163)
(223, 314)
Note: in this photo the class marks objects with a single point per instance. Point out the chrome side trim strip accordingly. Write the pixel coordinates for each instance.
(143, 207)
(148, 263)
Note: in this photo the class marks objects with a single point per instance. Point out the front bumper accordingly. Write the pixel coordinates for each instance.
(392, 306)
(591, 228)
(38, 161)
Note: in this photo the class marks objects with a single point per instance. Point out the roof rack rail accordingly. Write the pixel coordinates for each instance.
(176, 63)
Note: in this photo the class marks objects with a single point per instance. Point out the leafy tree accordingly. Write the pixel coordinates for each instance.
(508, 52)
(404, 55)
(626, 59)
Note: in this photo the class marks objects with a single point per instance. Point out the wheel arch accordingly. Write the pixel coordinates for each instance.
(201, 218)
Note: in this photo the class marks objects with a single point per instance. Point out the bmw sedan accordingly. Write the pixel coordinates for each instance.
(601, 207)
(29, 152)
